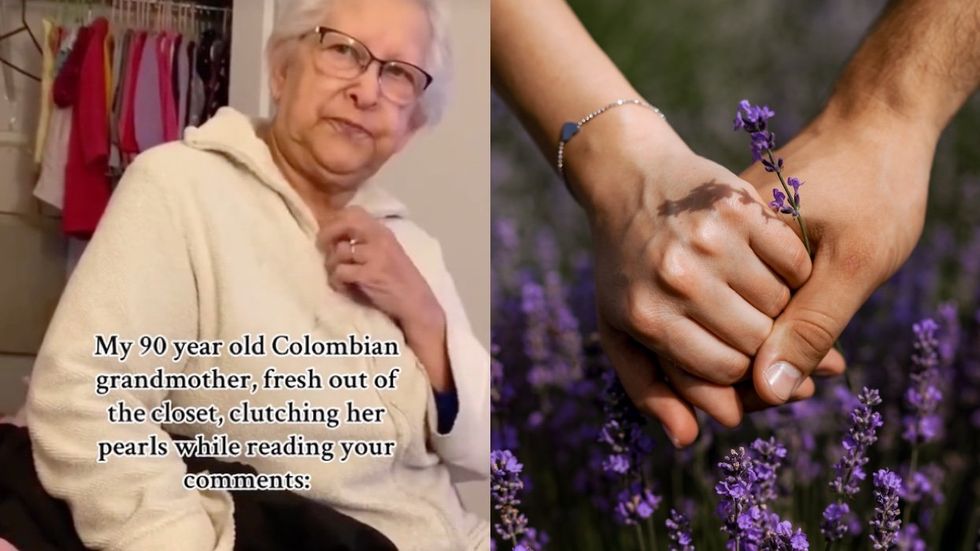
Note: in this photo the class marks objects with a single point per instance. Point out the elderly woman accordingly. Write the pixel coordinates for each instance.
(249, 228)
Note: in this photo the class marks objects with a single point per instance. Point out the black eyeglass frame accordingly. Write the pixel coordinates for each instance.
(322, 31)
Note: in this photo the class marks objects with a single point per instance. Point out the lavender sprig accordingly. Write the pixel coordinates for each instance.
(754, 120)
(885, 524)
(863, 432)
(736, 489)
(622, 433)
(923, 396)
(679, 532)
(505, 488)
(763, 530)
(768, 456)
(922, 423)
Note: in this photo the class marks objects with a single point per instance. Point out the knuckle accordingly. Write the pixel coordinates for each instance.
(780, 301)
(707, 238)
(731, 209)
(675, 271)
(640, 315)
(733, 370)
(800, 262)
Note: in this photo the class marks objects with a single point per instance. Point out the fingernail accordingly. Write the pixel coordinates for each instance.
(673, 439)
(783, 379)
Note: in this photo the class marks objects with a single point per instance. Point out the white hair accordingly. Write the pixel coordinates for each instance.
(295, 17)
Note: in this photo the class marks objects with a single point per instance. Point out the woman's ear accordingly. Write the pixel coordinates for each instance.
(278, 65)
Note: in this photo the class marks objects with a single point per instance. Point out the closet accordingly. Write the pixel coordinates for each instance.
(202, 54)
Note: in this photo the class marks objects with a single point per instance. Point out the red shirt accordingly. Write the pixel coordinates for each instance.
(86, 176)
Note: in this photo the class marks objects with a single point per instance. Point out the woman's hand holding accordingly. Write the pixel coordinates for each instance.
(364, 259)
(690, 264)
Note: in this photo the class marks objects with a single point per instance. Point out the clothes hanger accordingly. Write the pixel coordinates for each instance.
(24, 27)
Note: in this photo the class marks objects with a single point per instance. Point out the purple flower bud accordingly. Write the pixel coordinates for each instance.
(679, 532)
(849, 470)
(922, 398)
(635, 504)
(885, 522)
(833, 526)
(505, 489)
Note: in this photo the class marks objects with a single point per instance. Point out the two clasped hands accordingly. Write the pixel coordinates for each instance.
(707, 298)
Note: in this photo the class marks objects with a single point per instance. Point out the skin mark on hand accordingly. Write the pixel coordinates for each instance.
(705, 196)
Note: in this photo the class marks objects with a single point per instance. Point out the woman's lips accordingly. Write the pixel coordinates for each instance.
(350, 127)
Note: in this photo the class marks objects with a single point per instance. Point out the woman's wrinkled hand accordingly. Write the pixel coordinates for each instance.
(691, 264)
(365, 260)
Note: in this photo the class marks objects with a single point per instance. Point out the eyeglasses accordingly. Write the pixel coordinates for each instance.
(344, 56)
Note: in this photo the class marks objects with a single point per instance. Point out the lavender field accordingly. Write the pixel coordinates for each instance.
(884, 458)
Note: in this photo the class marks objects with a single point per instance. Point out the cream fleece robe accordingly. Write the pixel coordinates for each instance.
(205, 239)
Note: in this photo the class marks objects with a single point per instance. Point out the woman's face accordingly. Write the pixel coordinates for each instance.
(342, 129)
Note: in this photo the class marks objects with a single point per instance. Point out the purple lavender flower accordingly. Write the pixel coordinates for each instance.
(622, 432)
(865, 422)
(565, 330)
(922, 423)
(949, 338)
(834, 523)
(754, 120)
(782, 537)
(735, 489)
(779, 203)
(910, 540)
(751, 530)
(505, 489)
(885, 523)
(768, 456)
(795, 183)
(763, 530)
(628, 444)
(849, 470)
(635, 503)
(679, 532)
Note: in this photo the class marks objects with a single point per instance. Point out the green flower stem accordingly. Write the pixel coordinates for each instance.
(639, 536)
(793, 203)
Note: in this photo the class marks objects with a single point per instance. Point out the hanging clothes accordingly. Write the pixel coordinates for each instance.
(51, 183)
(48, 49)
(86, 178)
(119, 86)
(183, 80)
(127, 129)
(108, 94)
(149, 123)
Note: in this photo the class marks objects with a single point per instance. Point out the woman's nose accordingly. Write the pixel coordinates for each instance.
(365, 90)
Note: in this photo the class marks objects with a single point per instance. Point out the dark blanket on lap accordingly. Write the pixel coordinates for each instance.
(32, 520)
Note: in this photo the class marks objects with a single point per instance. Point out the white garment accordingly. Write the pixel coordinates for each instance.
(50, 186)
(205, 239)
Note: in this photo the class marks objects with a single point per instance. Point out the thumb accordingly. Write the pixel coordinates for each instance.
(804, 334)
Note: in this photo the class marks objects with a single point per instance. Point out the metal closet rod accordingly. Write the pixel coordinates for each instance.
(165, 4)
(160, 4)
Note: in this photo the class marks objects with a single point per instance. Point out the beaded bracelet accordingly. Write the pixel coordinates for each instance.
(570, 129)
